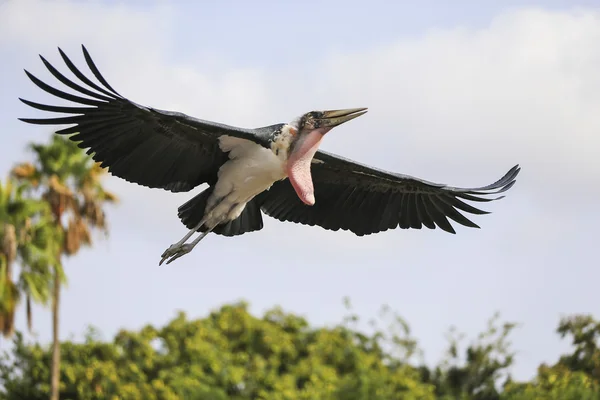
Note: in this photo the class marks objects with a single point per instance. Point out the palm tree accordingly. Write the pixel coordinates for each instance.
(26, 239)
(70, 183)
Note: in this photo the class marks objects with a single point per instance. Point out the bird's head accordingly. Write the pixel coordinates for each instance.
(324, 121)
(306, 135)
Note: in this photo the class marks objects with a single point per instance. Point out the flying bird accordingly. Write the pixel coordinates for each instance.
(277, 170)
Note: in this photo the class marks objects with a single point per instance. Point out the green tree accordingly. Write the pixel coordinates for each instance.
(26, 239)
(476, 374)
(70, 183)
(576, 376)
(230, 354)
(554, 383)
(584, 331)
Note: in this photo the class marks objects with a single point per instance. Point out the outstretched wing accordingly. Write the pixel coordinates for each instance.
(365, 200)
(154, 148)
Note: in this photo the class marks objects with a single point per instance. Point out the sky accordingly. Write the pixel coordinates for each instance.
(456, 94)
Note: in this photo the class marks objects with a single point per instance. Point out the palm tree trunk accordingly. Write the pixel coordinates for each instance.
(55, 370)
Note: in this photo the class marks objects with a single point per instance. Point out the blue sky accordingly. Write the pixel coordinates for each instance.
(456, 95)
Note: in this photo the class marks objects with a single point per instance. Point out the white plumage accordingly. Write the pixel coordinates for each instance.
(251, 169)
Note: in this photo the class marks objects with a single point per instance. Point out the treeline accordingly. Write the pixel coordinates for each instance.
(232, 354)
(49, 208)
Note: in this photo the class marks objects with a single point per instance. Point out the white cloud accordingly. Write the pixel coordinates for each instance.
(120, 30)
(525, 89)
(459, 106)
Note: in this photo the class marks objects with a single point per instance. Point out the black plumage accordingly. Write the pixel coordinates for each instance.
(147, 146)
(365, 200)
(191, 212)
(176, 152)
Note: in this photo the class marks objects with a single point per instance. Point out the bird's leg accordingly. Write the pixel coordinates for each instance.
(183, 249)
(186, 237)
(180, 246)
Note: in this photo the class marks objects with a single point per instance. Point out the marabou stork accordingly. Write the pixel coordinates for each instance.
(277, 169)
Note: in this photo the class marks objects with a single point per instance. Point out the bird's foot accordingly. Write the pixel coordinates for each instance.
(175, 251)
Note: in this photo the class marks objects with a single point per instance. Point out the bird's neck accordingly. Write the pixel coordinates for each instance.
(282, 140)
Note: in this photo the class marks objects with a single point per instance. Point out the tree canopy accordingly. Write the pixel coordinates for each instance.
(28, 239)
(66, 183)
(232, 354)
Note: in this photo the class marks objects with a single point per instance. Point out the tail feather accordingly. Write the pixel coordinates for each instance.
(191, 213)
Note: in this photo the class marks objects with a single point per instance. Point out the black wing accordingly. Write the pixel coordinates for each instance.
(154, 148)
(364, 200)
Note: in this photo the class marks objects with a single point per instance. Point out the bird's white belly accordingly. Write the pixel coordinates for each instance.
(251, 170)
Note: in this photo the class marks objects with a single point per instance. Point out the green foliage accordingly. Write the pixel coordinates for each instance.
(486, 361)
(69, 182)
(60, 157)
(585, 334)
(556, 383)
(232, 354)
(27, 238)
(228, 355)
(575, 376)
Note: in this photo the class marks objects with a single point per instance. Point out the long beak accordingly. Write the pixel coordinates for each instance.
(332, 118)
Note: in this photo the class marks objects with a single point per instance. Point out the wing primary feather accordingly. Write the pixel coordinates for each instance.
(68, 131)
(464, 206)
(475, 198)
(53, 121)
(82, 77)
(89, 129)
(58, 109)
(72, 84)
(440, 218)
(95, 71)
(507, 179)
(58, 93)
(498, 191)
(451, 212)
